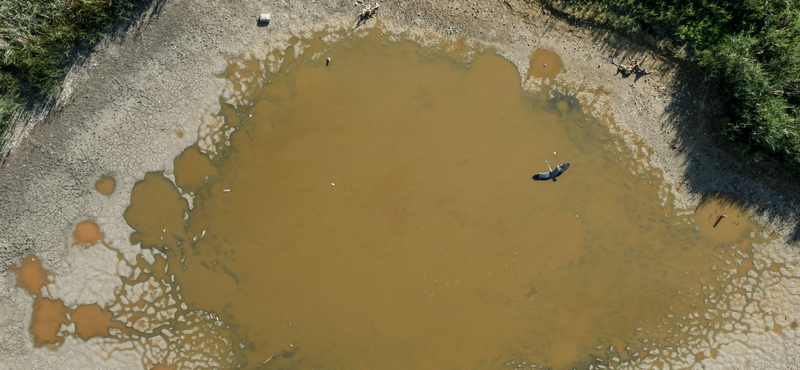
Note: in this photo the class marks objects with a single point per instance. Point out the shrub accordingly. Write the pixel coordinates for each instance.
(40, 39)
(751, 47)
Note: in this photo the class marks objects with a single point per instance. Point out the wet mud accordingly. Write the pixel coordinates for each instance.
(545, 63)
(31, 275)
(87, 233)
(105, 185)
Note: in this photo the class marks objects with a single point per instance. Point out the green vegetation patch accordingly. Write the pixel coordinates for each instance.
(40, 39)
(751, 47)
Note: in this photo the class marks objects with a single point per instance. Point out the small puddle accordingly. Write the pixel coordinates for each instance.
(105, 185)
(545, 63)
(48, 316)
(31, 276)
(87, 233)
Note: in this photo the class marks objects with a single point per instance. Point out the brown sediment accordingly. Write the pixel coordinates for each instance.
(92, 321)
(105, 185)
(403, 214)
(31, 275)
(179, 133)
(87, 233)
(545, 63)
(48, 315)
(713, 353)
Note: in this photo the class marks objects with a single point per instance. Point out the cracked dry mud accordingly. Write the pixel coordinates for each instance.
(138, 102)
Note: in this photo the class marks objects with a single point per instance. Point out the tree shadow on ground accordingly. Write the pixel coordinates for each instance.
(695, 118)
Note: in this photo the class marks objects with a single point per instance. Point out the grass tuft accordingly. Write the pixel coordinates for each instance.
(40, 39)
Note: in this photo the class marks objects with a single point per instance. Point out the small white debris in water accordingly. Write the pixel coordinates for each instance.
(203, 234)
(554, 153)
(545, 65)
(226, 190)
(332, 184)
(576, 216)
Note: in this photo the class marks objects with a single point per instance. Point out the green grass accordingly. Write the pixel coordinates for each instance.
(39, 41)
(750, 47)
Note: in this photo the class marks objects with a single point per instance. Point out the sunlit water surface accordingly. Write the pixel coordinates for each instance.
(379, 213)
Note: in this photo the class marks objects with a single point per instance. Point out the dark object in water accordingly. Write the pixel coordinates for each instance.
(541, 176)
(719, 219)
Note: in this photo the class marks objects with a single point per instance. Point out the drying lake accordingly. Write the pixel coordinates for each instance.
(377, 212)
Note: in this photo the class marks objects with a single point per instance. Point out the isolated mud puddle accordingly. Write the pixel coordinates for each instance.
(105, 185)
(379, 213)
(545, 63)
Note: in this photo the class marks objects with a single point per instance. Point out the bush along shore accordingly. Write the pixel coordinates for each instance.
(41, 39)
(751, 48)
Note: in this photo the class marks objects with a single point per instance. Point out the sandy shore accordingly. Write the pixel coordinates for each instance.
(123, 107)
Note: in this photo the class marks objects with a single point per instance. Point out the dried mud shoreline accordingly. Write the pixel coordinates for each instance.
(122, 110)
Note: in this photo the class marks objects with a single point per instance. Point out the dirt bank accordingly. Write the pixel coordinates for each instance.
(125, 106)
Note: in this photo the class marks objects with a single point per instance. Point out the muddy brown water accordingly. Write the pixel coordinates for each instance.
(51, 315)
(545, 63)
(105, 185)
(380, 213)
(31, 275)
(87, 233)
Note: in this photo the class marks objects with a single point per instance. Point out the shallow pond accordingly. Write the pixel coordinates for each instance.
(379, 212)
